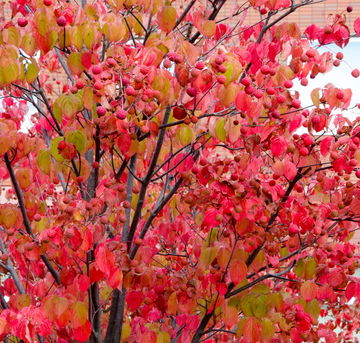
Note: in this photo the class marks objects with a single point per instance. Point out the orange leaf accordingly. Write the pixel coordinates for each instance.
(308, 290)
(167, 18)
(237, 271)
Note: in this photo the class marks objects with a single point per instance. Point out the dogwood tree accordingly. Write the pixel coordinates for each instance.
(171, 187)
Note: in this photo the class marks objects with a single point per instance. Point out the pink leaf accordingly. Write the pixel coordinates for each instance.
(290, 170)
(278, 146)
(357, 26)
(326, 144)
(352, 290)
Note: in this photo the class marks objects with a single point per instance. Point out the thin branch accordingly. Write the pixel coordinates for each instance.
(26, 221)
(154, 213)
(258, 280)
(146, 179)
(183, 15)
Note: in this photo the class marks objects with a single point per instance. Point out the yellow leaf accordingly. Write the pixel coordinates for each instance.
(167, 18)
(220, 129)
(43, 161)
(74, 62)
(208, 28)
(31, 72)
(163, 337)
(207, 256)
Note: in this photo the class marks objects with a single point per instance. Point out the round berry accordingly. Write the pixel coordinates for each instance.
(101, 111)
(22, 22)
(61, 21)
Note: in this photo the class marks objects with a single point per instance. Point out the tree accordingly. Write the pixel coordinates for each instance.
(172, 188)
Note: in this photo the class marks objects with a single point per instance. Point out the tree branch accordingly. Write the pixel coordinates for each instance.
(26, 221)
(147, 179)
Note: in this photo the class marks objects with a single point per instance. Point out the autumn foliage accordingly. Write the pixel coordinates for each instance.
(171, 187)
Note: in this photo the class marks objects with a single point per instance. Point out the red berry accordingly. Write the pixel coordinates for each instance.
(95, 165)
(121, 114)
(98, 85)
(304, 151)
(47, 2)
(339, 55)
(179, 113)
(37, 217)
(355, 73)
(73, 89)
(22, 22)
(111, 62)
(288, 84)
(336, 63)
(357, 173)
(221, 79)
(80, 179)
(167, 63)
(126, 204)
(349, 9)
(101, 111)
(79, 84)
(96, 69)
(258, 94)
(296, 103)
(191, 91)
(263, 11)
(304, 82)
(339, 95)
(246, 81)
(61, 21)
(270, 90)
(280, 98)
(62, 145)
(200, 65)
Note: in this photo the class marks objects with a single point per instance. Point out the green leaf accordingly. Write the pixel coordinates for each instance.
(258, 306)
(43, 161)
(78, 139)
(245, 305)
(11, 72)
(267, 329)
(185, 135)
(220, 129)
(54, 149)
(310, 268)
(313, 308)
(32, 72)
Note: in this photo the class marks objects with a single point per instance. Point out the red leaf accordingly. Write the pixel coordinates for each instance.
(326, 144)
(105, 260)
(82, 333)
(357, 26)
(295, 123)
(251, 330)
(237, 271)
(84, 283)
(352, 290)
(86, 59)
(290, 170)
(278, 146)
(134, 299)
